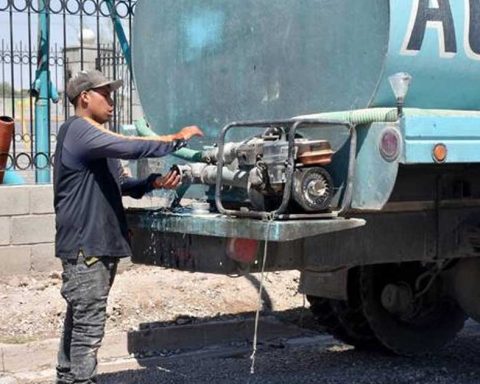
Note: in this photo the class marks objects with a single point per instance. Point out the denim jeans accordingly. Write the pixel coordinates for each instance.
(85, 289)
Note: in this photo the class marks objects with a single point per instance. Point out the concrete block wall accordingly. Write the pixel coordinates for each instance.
(27, 230)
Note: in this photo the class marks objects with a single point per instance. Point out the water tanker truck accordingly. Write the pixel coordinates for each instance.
(344, 135)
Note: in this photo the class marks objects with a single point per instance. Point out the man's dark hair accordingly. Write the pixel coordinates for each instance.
(75, 101)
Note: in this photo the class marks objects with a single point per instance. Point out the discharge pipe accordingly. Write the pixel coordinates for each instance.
(380, 115)
(355, 117)
(359, 116)
(187, 154)
(200, 173)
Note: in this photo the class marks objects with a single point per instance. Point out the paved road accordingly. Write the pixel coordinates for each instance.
(326, 362)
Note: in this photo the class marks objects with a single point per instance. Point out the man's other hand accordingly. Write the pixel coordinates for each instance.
(170, 181)
(188, 132)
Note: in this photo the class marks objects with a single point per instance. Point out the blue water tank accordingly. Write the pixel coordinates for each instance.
(210, 62)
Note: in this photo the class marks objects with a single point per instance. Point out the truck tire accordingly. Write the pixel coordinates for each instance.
(344, 319)
(327, 319)
(420, 327)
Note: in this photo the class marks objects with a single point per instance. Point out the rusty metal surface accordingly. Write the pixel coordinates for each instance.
(209, 254)
(325, 284)
(222, 226)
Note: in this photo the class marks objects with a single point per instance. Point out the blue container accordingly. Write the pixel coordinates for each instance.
(210, 62)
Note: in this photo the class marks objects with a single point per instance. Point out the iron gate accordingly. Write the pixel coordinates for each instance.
(81, 37)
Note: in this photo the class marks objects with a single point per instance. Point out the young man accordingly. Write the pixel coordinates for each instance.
(91, 227)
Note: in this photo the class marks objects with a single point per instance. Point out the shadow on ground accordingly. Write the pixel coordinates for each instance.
(458, 363)
(188, 333)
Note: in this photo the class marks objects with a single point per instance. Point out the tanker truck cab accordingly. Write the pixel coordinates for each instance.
(343, 137)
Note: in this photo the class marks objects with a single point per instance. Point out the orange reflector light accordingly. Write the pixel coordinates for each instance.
(242, 250)
(440, 153)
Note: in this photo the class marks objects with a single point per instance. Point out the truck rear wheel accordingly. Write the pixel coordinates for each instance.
(328, 319)
(404, 320)
(344, 319)
(350, 314)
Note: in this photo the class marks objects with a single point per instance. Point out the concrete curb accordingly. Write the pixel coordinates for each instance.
(133, 364)
(196, 336)
(36, 361)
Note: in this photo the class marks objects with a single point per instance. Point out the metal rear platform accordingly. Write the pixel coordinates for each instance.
(212, 224)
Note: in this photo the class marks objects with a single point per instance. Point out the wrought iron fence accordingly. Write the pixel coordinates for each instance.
(81, 37)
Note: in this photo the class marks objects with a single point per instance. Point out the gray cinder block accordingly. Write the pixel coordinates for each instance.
(33, 229)
(41, 199)
(4, 230)
(14, 200)
(43, 258)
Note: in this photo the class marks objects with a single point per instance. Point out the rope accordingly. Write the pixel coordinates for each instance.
(269, 220)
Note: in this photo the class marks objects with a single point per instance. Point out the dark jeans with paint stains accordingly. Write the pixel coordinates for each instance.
(85, 288)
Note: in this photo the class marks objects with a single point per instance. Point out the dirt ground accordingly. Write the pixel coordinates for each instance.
(32, 308)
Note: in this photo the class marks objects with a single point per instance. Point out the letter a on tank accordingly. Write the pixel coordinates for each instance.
(435, 14)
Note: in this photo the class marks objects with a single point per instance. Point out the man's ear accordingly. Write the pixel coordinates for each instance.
(84, 97)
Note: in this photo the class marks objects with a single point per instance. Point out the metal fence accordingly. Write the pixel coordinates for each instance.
(81, 37)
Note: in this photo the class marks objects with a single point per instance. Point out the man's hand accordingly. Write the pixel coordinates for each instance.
(188, 132)
(170, 181)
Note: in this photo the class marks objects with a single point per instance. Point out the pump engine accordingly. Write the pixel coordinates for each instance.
(259, 165)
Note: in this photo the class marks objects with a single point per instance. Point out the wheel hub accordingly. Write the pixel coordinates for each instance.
(397, 298)
(402, 322)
